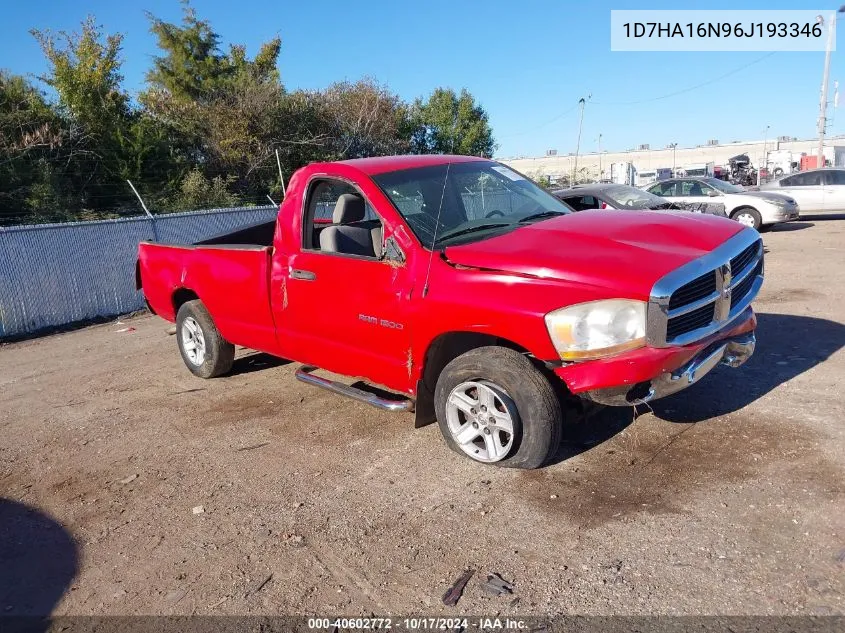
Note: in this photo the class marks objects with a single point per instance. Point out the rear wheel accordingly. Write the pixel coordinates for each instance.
(205, 352)
(747, 216)
(495, 407)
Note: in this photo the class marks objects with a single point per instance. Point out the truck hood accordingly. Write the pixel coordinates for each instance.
(624, 252)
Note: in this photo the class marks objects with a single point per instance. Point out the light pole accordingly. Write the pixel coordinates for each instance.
(674, 149)
(825, 80)
(763, 161)
(600, 178)
(581, 102)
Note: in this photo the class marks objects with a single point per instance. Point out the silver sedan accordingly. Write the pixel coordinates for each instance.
(815, 190)
(751, 208)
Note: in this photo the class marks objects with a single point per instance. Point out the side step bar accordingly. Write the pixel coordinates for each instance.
(304, 374)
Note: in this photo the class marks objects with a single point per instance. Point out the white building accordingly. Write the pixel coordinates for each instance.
(650, 159)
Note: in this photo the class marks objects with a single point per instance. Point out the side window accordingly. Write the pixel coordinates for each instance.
(693, 188)
(807, 179)
(338, 219)
(582, 203)
(835, 177)
(662, 189)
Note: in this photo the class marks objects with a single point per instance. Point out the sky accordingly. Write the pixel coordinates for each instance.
(528, 63)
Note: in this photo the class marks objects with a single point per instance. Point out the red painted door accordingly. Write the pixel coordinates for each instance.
(349, 314)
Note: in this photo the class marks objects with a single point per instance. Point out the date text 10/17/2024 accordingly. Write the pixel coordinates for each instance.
(417, 624)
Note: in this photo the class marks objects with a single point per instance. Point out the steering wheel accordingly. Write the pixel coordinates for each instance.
(494, 213)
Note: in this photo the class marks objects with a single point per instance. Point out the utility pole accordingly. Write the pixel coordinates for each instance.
(825, 80)
(674, 149)
(763, 161)
(581, 102)
(600, 178)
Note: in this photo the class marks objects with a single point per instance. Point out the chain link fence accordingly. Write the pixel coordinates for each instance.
(56, 274)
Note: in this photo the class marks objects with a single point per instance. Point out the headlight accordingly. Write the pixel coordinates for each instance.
(597, 328)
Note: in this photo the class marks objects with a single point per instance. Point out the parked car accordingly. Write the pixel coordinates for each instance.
(757, 209)
(613, 196)
(815, 191)
(472, 292)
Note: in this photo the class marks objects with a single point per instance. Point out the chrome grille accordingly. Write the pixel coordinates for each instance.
(697, 289)
(706, 294)
(743, 287)
(690, 321)
(742, 260)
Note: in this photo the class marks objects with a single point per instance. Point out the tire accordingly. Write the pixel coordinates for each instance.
(217, 354)
(519, 392)
(749, 214)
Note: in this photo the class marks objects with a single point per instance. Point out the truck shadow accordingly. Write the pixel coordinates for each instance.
(39, 561)
(257, 361)
(787, 346)
(839, 215)
(791, 226)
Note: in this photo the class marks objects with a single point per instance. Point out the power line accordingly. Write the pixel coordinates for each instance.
(542, 125)
(689, 89)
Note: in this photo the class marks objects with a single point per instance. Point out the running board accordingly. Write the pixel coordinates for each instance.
(304, 374)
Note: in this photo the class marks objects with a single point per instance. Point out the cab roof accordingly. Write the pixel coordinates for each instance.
(384, 164)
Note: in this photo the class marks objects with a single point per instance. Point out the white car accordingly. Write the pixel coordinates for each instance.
(815, 190)
(751, 208)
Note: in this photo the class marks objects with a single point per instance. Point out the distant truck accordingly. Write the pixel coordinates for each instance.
(645, 178)
(478, 298)
(698, 170)
(621, 173)
(782, 162)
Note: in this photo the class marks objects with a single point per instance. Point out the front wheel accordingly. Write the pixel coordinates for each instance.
(205, 352)
(748, 216)
(494, 406)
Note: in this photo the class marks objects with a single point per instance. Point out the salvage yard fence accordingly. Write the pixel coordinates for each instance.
(56, 274)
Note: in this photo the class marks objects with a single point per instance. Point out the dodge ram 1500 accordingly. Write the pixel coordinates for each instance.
(459, 284)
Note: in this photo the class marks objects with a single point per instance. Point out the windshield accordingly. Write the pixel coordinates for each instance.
(479, 200)
(623, 196)
(723, 186)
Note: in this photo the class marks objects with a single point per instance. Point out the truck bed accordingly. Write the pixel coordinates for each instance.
(231, 279)
(260, 234)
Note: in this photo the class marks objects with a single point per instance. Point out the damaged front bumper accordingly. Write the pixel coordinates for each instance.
(732, 351)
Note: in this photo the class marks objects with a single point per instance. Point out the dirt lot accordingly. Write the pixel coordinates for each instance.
(727, 499)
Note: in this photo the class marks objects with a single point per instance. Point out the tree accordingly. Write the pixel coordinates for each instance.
(229, 110)
(85, 73)
(205, 130)
(366, 119)
(197, 192)
(448, 123)
(30, 135)
(94, 112)
(541, 179)
(192, 66)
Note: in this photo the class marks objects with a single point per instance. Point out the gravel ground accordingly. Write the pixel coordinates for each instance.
(130, 487)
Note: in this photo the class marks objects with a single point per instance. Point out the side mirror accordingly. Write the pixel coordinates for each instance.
(712, 193)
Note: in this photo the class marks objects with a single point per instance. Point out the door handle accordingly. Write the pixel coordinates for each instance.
(305, 275)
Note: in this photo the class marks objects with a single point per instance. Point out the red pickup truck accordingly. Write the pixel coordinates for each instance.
(459, 284)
